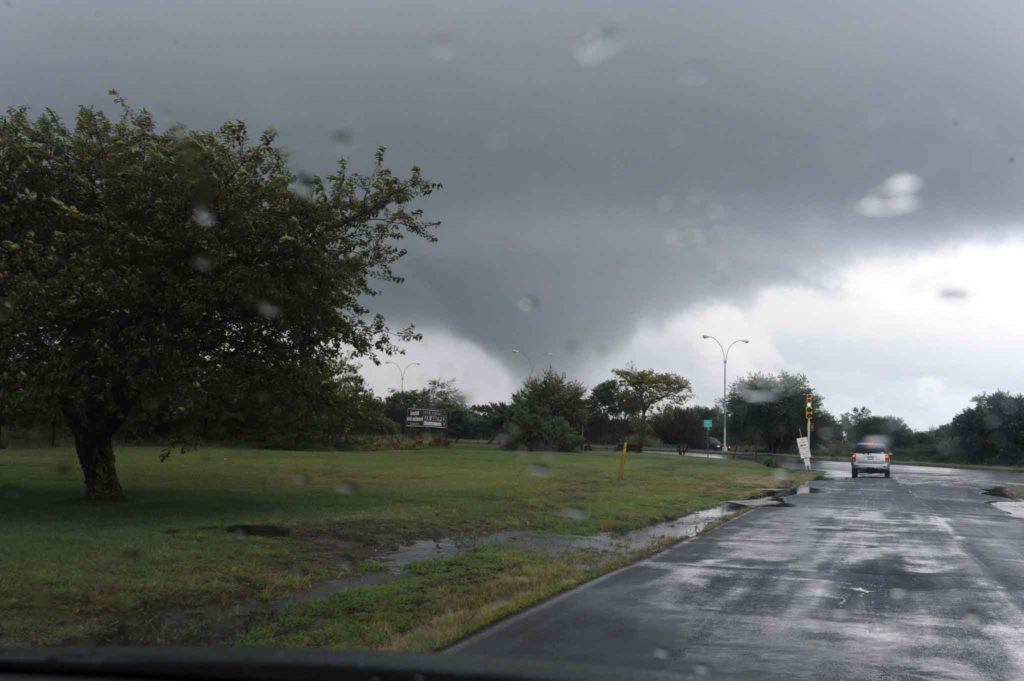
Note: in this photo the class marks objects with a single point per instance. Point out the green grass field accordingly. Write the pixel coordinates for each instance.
(73, 572)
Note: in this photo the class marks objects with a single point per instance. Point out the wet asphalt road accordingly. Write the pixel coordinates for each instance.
(914, 577)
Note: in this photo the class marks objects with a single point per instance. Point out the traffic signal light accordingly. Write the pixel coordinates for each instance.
(809, 406)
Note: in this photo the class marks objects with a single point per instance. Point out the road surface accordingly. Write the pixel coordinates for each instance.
(914, 577)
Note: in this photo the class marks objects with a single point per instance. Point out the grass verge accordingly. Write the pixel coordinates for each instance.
(74, 572)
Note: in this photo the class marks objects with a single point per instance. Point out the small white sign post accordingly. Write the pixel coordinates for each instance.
(804, 445)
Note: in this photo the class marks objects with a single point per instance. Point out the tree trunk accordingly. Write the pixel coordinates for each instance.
(94, 444)
(96, 456)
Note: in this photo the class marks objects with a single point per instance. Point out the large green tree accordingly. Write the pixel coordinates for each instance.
(644, 389)
(138, 264)
(547, 413)
(991, 431)
(768, 410)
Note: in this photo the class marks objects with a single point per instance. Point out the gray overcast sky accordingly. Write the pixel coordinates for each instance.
(621, 178)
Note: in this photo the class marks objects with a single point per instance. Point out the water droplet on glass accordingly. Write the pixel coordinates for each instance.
(341, 136)
(715, 212)
(901, 183)
(896, 196)
(574, 513)
(992, 421)
(203, 217)
(528, 303)
(1012, 160)
(268, 310)
(758, 395)
(174, 42)
(131, 554)
(345, 488)
(302, 479)
(660, 654)
(443, 49)
(780, 475)
(701, 671)
(597, 46)
(696, 74)
(497, 141)
(202, 264)
(953, 294)
(897, 594)
(539, 470)
(572, 346)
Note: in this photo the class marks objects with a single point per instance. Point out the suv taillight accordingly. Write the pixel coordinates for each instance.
(853, 456)
(887, 457)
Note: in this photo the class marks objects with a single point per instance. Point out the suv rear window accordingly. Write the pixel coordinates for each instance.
(862, 448)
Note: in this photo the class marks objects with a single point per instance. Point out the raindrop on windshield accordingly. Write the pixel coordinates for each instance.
(696, 74)
(598, 46)
(660, 653)
(953, 294)
(539, 470)
(497, 141)
(342, 136)
(528, 303)
(574, 513)
(302, 479)
(202, 264)
(345, 488)
(268, 310)
(203, 217)
(896, 196)
(443, 49)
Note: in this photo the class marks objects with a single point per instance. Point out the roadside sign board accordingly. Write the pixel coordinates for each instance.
(707, 424)
(804, 445)
(426, 418)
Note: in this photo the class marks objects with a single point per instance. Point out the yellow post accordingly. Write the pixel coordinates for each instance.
(622, 459)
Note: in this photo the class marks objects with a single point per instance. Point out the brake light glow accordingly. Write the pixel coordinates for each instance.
(853, 456)
(887, 457)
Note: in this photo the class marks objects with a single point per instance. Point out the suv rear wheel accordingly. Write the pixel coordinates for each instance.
(855, 472)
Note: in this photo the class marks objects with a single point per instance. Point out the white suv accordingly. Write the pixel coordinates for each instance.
(870, 457)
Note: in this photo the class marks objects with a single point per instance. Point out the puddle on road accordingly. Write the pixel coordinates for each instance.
(998, 492)
(1014, 508)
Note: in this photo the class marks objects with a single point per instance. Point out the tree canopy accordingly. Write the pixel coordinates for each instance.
(644, 389)
(547, 412)
(768, 410)
(138, 264)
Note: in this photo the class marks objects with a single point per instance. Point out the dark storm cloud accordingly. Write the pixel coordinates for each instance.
(609, 165)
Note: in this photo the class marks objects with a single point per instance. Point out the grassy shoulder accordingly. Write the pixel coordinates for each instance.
(73, 572)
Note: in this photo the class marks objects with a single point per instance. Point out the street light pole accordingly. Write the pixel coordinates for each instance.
(530, 361)
(402, 371)
(725, 410)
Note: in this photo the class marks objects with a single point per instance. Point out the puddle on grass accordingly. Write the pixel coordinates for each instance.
(227, 620)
